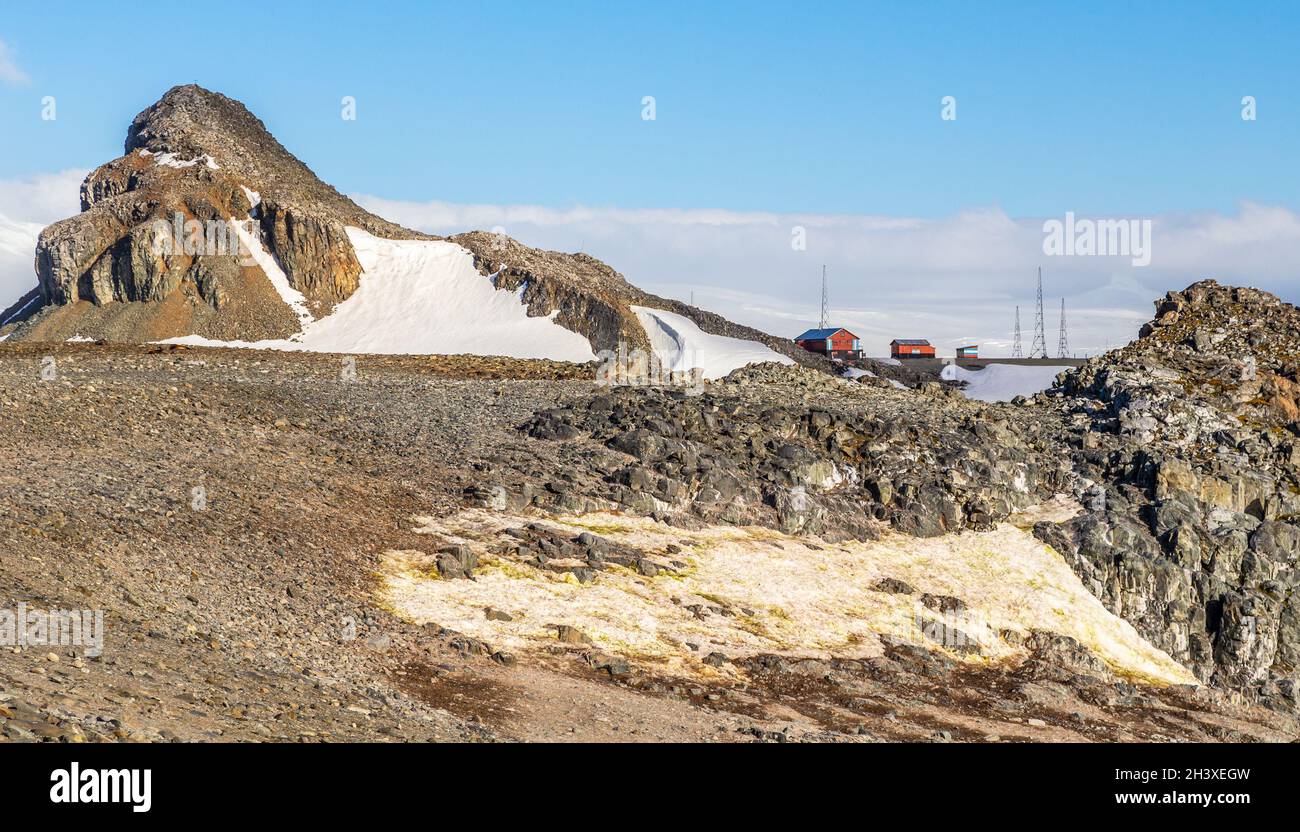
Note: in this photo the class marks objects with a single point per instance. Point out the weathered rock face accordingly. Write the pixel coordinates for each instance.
(314, 251)
(108, 252)
(595, 300)
(195, 163)
(799, 451)
(1190, 438)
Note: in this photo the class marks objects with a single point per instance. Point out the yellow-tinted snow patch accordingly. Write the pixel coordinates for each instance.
(756, 590)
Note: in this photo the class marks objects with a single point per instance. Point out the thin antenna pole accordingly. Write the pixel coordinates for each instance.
(1039, 349)
(826, 309)
(1063, 344)
(1015, 345)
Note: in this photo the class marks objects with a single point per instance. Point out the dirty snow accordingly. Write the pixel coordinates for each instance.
(1003, 382)
(856, 373)
(681, 346)
(781, 594)
(416, 297)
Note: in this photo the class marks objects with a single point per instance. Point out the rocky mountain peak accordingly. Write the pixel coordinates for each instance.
(1208, 319)
(191, 122)
(198, 155)
(191, 119)
(1221, 356)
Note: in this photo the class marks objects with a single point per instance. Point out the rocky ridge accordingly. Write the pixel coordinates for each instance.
(1190, 439)
(803, 452)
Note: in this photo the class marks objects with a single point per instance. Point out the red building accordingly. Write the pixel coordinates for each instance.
(910, 348)
(833, 342)
(972, 351)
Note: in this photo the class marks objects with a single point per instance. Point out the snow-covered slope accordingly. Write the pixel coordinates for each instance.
(425, 297)
(250, 238)
(420, 296)
(1003, 382)
(683, 346)
(417, 297)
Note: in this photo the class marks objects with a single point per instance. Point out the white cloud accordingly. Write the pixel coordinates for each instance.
(26, 206)
(42, 198)
(9, 71)
(953, 280)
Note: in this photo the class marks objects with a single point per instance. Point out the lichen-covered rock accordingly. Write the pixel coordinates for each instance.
(1190, 432)
(803, 452)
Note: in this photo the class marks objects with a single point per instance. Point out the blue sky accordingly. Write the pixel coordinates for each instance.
(1106, 107)
(769, 116)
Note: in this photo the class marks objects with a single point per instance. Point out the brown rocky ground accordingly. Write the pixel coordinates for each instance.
(252, 614)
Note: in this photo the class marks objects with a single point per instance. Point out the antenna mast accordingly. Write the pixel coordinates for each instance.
(1039, 349)
(826, 309)
(1063, 345)
(1015, 345)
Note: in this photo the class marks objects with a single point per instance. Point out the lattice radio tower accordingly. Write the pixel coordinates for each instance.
(1039, 349)
(1016, 352)
(826, 306)
(1063, 343)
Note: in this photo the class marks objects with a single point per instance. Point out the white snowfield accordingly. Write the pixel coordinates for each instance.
(854, 373)
(1003, 382)
(682, 346)
(416, 297)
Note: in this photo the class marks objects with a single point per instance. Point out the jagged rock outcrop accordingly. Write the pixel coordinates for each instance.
(199, 157)
(1190, 440)
(594, 299)
(796, 450)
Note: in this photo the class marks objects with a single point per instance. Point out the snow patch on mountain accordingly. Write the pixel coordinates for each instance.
(681, 346)
(417, 297)
(252, 243)
(172, 160)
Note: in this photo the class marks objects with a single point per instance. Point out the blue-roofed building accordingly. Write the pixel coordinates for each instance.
(832, 342)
